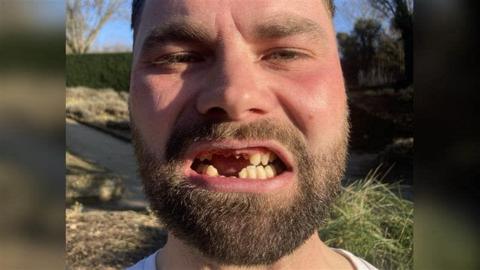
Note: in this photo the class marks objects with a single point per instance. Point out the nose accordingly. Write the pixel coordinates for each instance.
(234, 90)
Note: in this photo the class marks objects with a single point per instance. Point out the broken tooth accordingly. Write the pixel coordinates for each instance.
(201, 168)
(252, 172)
(255, 159)
(261, 174)
(265, 158)
(243, 173)
(211, 171)
(270, 171)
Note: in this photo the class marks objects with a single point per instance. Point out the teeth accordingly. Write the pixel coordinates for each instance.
(252, 172)
(265, 158)
(270, 171)
(243, 173)
(261, 174)
(211, 171)
(258, 172)
(255, 159)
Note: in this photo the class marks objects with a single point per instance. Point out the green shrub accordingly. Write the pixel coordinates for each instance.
(374, 223)
(31, 50)
(110, 70)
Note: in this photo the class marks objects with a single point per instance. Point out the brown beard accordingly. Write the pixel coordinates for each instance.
(240, 228)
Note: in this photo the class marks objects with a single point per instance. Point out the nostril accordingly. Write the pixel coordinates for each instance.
(216, 112)
(257, 111)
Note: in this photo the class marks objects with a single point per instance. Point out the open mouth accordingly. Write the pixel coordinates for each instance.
(255, 163)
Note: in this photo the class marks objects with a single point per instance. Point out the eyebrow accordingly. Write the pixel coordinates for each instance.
(182, 30)
(285, 26)
(178, 30)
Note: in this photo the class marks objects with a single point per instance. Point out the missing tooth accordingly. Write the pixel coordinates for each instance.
(236, 164)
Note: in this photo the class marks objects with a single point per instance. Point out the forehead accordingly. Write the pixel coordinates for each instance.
(243, 14)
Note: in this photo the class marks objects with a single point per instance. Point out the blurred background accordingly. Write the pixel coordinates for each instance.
(63, 88)
(32, 78)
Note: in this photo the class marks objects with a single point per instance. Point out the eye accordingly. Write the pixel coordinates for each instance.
(283, 55)
(178, 58)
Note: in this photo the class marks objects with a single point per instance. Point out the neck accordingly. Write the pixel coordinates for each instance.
(313, 254)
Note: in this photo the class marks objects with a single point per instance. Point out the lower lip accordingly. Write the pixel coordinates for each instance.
(229, 184)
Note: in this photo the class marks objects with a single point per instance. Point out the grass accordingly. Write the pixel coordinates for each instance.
(370, 220)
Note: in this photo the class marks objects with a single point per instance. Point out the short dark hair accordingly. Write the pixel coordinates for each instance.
(137, 7)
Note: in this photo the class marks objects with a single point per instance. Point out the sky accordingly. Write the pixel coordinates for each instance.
(118, 33)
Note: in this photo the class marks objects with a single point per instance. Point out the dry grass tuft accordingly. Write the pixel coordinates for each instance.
(370, 220)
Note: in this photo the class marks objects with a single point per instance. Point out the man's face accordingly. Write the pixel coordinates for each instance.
(240, 122)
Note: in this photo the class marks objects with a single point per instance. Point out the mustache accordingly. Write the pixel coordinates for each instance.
(209, 130)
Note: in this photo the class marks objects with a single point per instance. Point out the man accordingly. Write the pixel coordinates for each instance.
(240, 125)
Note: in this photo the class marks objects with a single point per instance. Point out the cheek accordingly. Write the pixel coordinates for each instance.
(154, 105)
(317, 103)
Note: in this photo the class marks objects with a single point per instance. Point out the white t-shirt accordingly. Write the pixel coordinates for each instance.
(148, 263)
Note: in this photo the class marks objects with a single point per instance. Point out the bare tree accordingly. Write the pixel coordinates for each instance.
(392, 7)
(401, 12)
(85, 18)
(352, 11)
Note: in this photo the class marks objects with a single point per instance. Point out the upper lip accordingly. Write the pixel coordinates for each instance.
(196, 148)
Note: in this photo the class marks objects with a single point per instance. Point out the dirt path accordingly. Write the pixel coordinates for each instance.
(111, 153)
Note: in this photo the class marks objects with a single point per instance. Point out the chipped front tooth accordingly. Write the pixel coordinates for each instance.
(255, 159)
(265, 158)
(211, 171)
(252, 172)
(270, 171)
(261, 174)
(243, 173)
